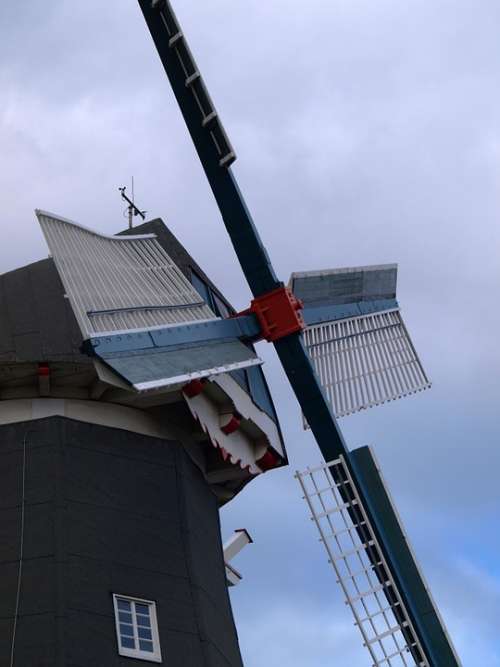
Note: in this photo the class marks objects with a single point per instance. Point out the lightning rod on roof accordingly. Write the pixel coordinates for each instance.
(132, 209)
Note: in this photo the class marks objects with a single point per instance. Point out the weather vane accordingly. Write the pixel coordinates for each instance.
(132, 209)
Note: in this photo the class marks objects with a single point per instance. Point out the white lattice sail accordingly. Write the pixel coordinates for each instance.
(118, 283)
(365, 361)
(360, 567)
(356, 337)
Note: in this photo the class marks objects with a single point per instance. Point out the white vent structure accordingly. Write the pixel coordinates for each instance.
(239, 540)
(360, 568)
(365, 361)
(119, 283)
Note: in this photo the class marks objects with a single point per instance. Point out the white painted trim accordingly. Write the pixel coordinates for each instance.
(233, 577)
(249, 410)
(236, 543)
(239, 448)
(59, 218)
(91, 412)
(154, 385)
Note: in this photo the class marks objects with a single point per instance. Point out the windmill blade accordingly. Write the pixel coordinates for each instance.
(362, 534)
(274, 305)
(146, 321)
(355, 334)
(166, 33)
(148, 290)
(370, 591)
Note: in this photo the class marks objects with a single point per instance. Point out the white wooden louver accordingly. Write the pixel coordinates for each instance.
(119, 283)
(365, 361)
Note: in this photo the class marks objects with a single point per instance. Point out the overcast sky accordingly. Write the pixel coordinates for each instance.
(367, 131)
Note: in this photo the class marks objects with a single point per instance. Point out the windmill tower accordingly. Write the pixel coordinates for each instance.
(125, 424)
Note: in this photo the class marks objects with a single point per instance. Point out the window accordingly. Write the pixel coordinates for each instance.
(209, 296)
(202, 288)
(137, 628)
(260, 392)
(220, 307)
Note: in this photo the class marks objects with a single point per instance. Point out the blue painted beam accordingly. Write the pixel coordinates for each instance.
(331, 313)
(243, 328)
(394, 543)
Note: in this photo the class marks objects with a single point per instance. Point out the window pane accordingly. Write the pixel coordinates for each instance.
(146, 646)
(142, 609)
(144, 621)
(201, 287)
(144, 633)
(241, 378)
(124, 618)
(259, 391)
(220, 307)
(123, 605)
(126, 630)
(127, 642)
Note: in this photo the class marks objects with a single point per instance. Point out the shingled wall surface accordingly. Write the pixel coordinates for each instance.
(108, 511)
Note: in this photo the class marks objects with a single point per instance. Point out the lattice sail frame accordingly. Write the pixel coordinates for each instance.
(119, 283)
(365, 361)
(360, 567)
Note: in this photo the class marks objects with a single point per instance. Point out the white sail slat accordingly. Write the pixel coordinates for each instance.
(365, 361)
(119, 283)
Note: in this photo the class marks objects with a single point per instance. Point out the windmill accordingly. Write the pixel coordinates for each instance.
(340, 313)
(130, 412)
(133, 405)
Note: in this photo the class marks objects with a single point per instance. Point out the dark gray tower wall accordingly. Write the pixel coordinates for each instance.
(108, 511)
(36, 321)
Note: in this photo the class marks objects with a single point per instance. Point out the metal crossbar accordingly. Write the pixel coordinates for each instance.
(360, 567)
(365, 361)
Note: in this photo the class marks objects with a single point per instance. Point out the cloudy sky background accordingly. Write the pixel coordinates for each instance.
(367, 132)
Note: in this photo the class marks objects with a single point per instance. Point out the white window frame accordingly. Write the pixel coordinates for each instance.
(136, 652)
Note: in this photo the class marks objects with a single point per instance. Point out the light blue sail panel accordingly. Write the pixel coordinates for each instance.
(154, 369)
(356, 337)
(337, 294)
(348, 285)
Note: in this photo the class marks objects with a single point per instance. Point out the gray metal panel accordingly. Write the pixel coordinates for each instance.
(159, 367)
(119, 283)
(339, 286)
